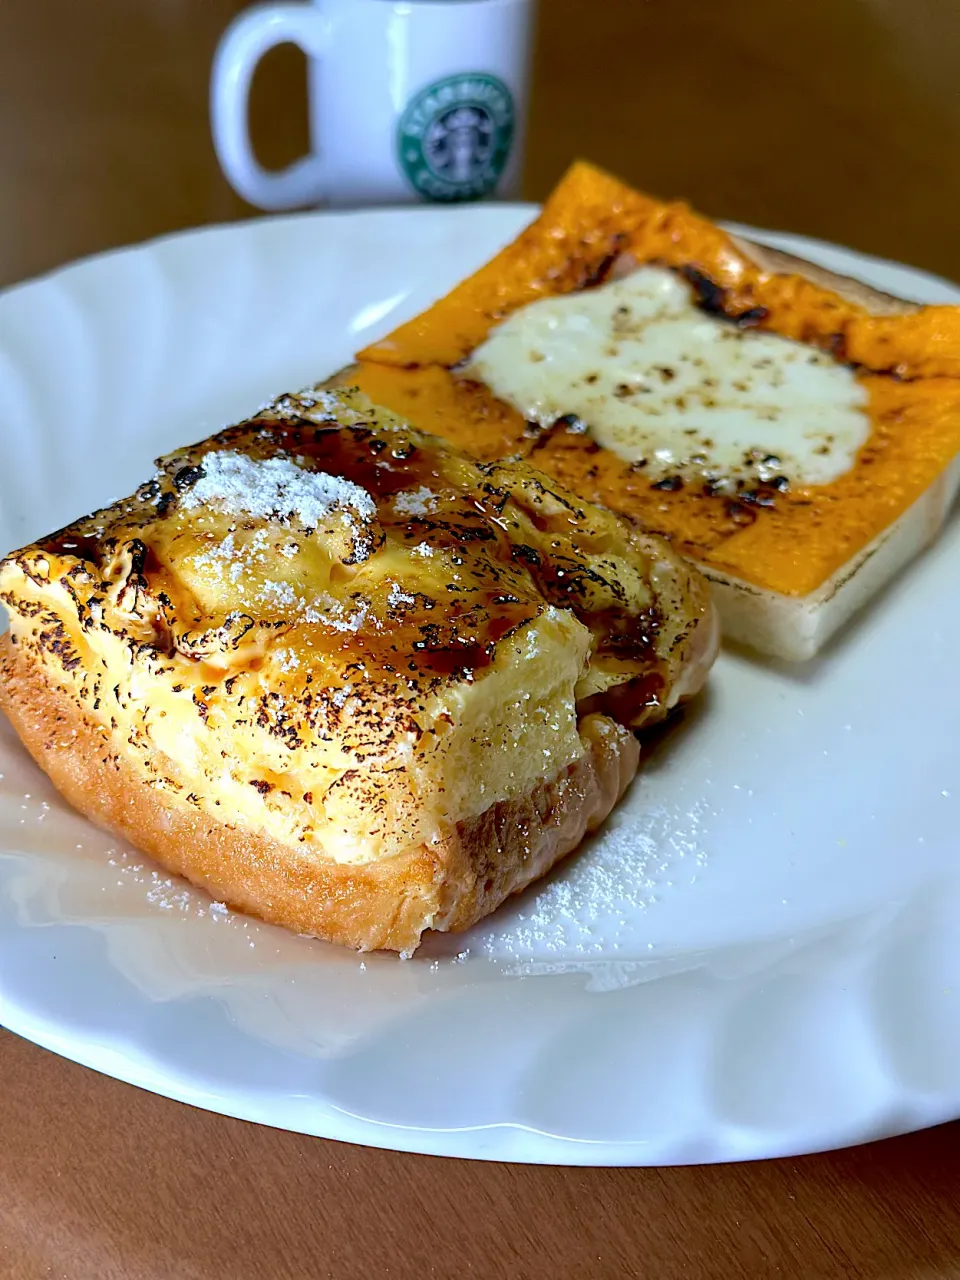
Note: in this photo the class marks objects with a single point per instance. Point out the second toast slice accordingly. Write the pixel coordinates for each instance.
(793, 432)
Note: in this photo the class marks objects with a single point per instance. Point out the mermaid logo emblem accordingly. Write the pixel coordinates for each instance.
(454, 138)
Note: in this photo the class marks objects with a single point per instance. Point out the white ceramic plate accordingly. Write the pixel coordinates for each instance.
(759, 956)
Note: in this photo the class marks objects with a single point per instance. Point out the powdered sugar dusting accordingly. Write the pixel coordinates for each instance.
(228, 559)
(398, 598)
(162, 890)
(274, 488)
(334, 613)
(242, 564)
(346, 407)
(286, 660)
(415, 502)
(331, 402)
(279, 593)
(169, 894)
(340, 696)
(595, 903)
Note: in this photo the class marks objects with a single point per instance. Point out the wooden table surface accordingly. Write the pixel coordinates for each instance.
(839, 118)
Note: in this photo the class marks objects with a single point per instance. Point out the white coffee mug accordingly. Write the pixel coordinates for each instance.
(409, 100)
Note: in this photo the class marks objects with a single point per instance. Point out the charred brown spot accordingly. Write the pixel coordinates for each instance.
(529, 555)
(758, 497)
(714, 300)
(739, 512)
(750, 318)
(710, 296)
(598, 274)
(186, 477)
(837, 345)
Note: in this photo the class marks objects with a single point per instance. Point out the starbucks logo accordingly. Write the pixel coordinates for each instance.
(454, 137)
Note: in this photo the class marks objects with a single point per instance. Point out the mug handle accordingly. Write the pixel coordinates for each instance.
(241, 47)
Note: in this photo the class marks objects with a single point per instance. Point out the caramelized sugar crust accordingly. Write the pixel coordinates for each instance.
(776, 532)
(330, 629)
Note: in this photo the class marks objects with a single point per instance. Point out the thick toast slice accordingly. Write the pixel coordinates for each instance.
(343, 676)
(794, 432)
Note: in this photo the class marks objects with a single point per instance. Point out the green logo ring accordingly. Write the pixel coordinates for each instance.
(454, 137)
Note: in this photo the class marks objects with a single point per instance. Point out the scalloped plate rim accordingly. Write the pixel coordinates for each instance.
(507, 1140)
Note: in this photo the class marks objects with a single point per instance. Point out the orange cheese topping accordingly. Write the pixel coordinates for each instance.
(790, 542)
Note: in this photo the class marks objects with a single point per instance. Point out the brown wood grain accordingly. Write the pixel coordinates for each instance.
(100, 1181)
(839, 118)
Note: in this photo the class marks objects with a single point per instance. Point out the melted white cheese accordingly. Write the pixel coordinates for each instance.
(657, 380)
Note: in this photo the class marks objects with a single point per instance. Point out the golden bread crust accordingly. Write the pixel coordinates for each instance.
(779, 262)
(384, 904)
(792, 512)
(344, 676)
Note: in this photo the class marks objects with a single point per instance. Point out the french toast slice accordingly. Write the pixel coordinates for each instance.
(795, 433)
(342, 675)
